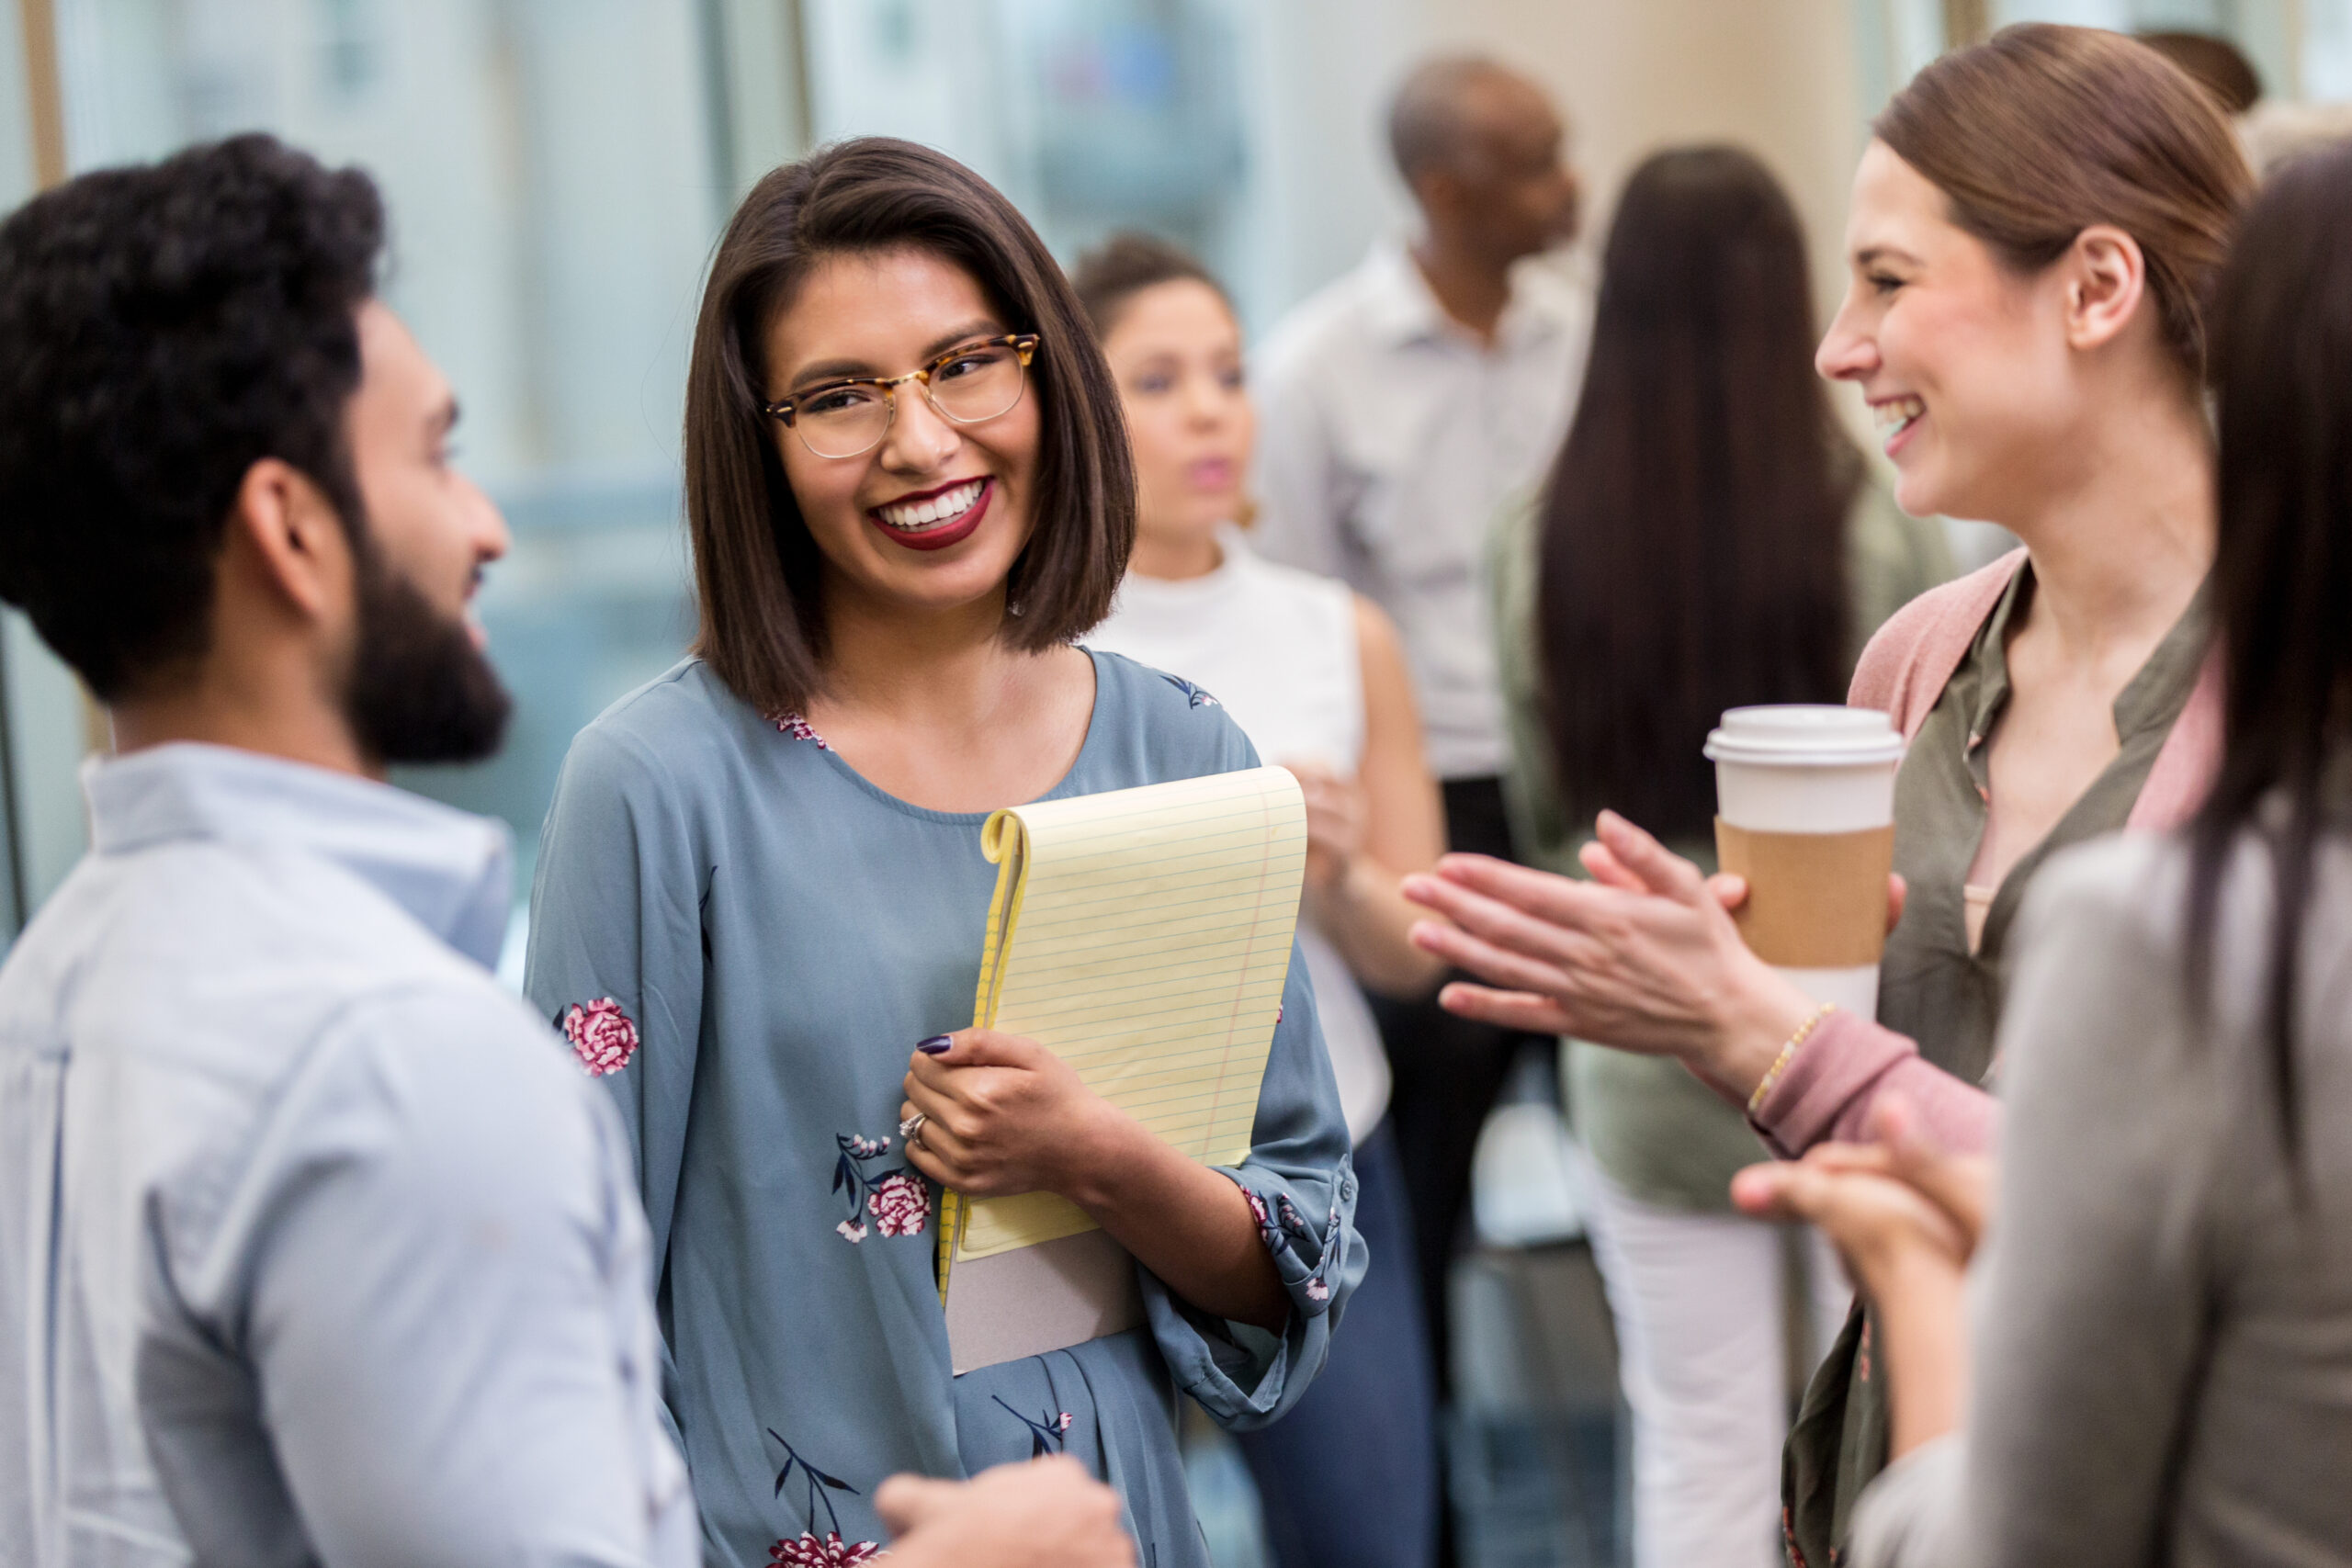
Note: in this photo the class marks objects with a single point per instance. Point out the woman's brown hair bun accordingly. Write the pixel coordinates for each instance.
(2044, 130)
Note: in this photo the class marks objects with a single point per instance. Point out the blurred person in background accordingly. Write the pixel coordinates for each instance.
(2150, 1363)
(2273, 131)
(762, 898)
(2025, 313)
(315, 1247)
(1709, 538)
(2214, 63)
(1400, 407)
(1315, 676)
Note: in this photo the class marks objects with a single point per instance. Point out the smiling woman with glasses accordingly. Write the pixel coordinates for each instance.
(761, 896)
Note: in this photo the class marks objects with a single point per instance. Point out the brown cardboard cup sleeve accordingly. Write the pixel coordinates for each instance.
(1814, 900)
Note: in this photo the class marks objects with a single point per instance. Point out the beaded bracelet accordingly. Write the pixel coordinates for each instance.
(1788, 1054)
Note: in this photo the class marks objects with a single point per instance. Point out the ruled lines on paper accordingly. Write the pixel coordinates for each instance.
(1144, 935)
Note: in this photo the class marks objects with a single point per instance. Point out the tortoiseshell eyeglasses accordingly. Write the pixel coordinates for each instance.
(970, 384)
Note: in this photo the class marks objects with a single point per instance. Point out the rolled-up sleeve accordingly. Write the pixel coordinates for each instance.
(1302, 1190)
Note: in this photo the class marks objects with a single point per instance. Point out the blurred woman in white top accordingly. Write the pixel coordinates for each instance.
(1316, 677)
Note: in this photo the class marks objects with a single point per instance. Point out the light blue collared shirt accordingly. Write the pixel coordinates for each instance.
(314, 1246)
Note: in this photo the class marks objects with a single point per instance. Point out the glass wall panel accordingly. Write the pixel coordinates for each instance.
(46, 728)
(1248, 133)
(2263, 28)
(1092, 114)
(16, 114)
(2292, 43)
(556, 172)
(2326, 47)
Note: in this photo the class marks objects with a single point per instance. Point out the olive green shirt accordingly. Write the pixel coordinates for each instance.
(1657, 1130)
(1930, 986)
(1947, 998)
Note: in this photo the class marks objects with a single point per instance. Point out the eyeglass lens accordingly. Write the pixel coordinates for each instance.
(976, 384)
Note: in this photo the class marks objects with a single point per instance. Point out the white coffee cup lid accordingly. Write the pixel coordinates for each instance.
(1805, 735)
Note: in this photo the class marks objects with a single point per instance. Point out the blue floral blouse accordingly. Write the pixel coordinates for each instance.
(744, 939)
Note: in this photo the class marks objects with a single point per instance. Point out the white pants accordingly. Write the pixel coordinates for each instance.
(1698, 1302)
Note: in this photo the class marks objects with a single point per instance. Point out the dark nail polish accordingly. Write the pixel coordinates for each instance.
(937, 1045)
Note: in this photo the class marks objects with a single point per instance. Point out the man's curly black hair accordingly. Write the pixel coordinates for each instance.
(163, 328)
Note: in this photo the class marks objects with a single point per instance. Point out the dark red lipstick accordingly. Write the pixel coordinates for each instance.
(936, 535)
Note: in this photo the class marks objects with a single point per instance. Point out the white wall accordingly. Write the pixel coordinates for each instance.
(1776, 75)
(1319, 185)
(1782, 77)
(1632, 75)
(16, 114)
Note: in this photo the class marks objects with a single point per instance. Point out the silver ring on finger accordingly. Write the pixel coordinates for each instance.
(910, 1129)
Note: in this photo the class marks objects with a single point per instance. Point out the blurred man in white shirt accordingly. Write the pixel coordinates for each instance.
(1406, 402)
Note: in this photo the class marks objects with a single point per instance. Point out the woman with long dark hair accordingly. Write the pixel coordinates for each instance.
(1708, 538)
(2035, 230)
(2160, 1369)
(761, 894)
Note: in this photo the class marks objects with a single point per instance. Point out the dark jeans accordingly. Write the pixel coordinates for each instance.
(1448, 1071)
(1349, 1478)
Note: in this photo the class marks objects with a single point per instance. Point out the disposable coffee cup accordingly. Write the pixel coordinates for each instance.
(1805, 812)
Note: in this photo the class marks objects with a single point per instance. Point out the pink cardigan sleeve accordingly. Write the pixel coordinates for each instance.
(1826, 1093)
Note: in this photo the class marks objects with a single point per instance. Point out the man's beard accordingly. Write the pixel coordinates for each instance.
(419, 690)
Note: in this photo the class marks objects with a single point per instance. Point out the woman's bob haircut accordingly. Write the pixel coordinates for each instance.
(757, 571)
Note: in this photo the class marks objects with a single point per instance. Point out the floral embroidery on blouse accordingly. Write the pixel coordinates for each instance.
(896, 1197)
(1046, 1435)
(1192, 693)
(899, 1204)
(1285, 1229)
(808, 1549)
(829, 1553)
(792, 724)
(601, 1034)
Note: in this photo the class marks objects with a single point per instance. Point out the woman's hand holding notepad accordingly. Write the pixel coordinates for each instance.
(1003, 1114)
(1143, 937)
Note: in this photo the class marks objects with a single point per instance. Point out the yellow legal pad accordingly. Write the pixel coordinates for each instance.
(1144, 936)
